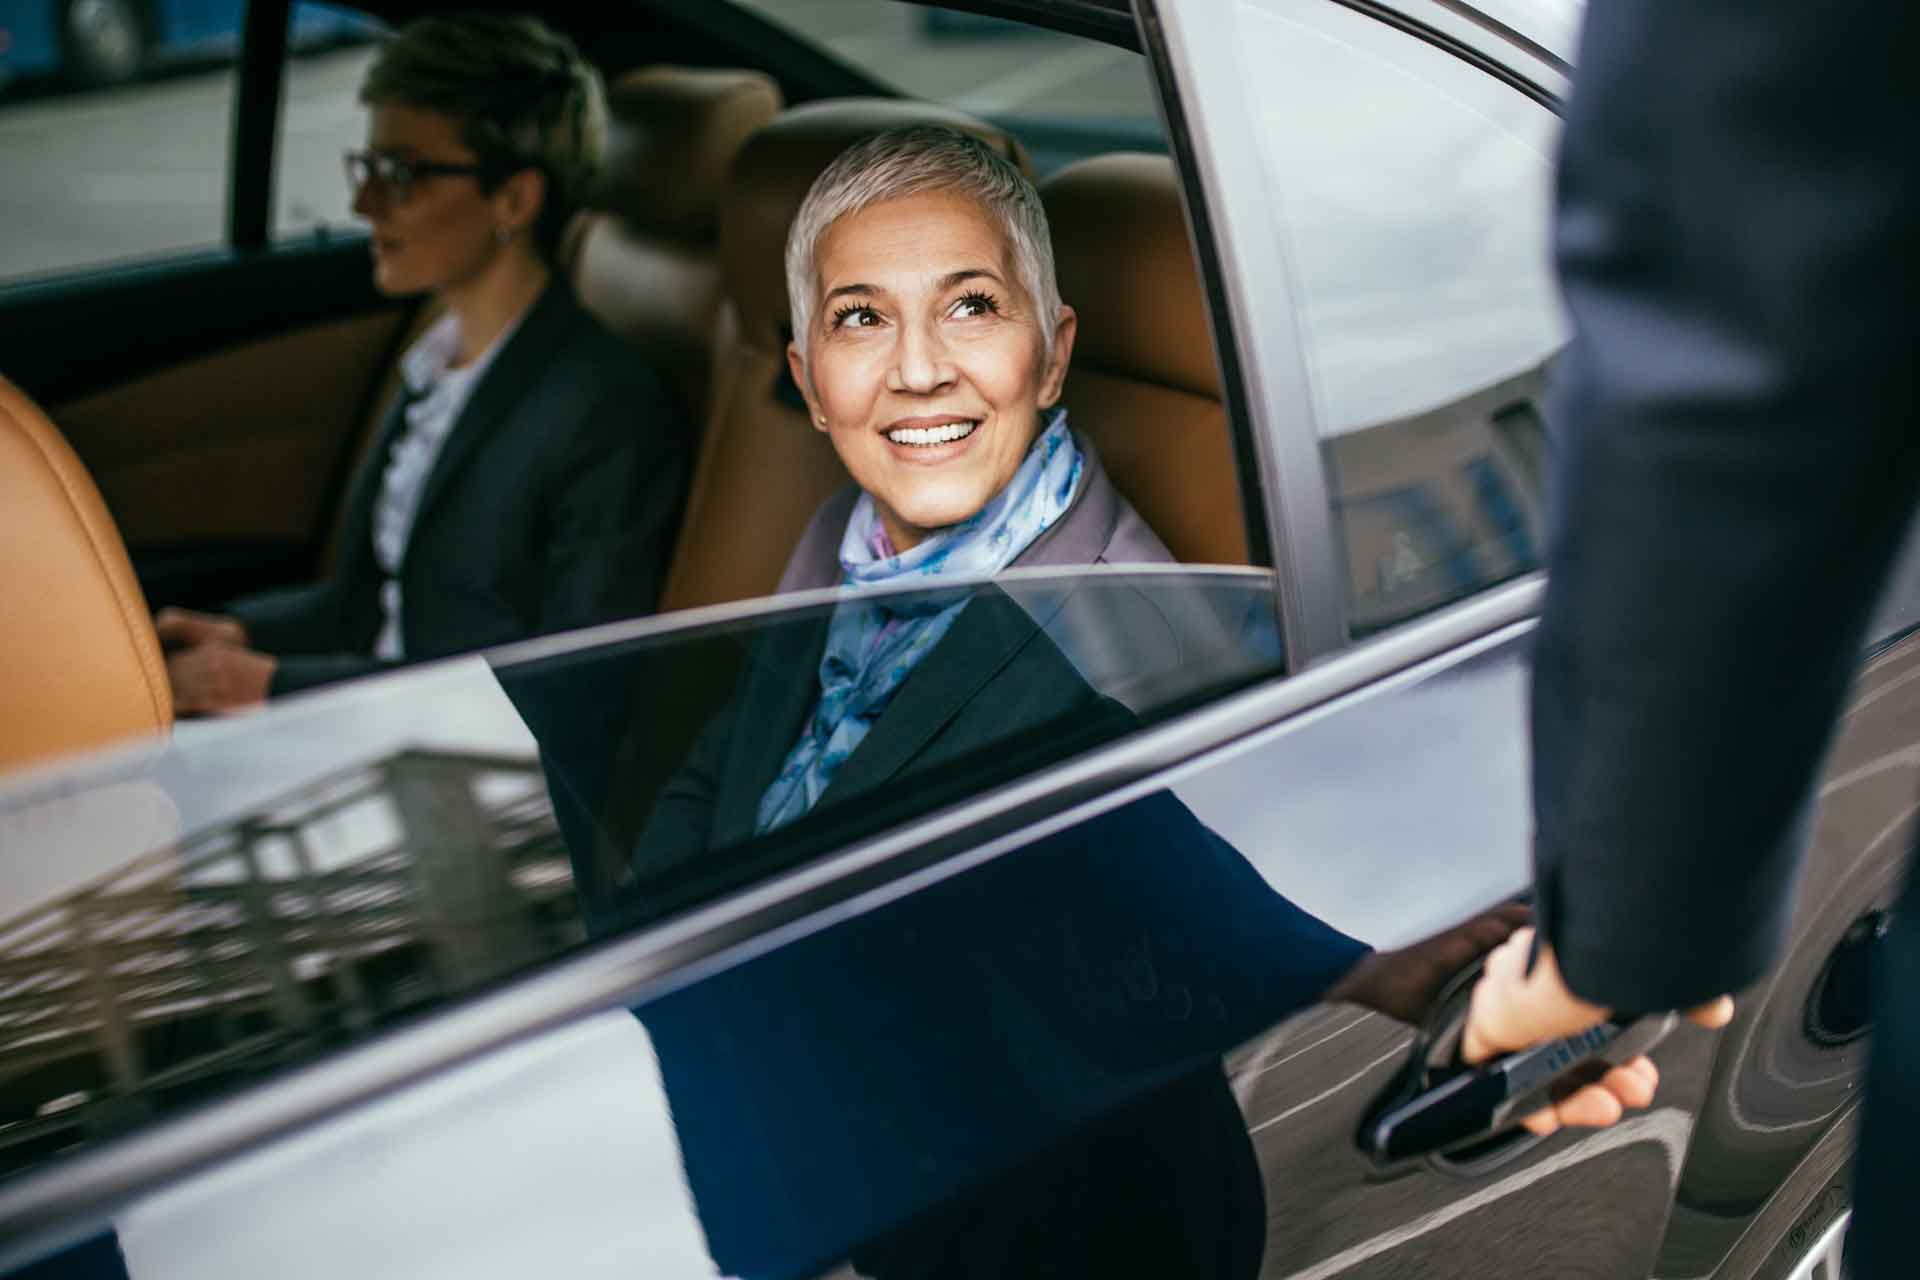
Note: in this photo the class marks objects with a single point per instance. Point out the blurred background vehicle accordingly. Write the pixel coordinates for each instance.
(93, 43)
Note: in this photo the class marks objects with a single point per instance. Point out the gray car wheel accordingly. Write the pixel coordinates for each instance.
(106, 40)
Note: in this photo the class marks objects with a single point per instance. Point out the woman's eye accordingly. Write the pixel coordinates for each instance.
(855, 318)
(975, 304)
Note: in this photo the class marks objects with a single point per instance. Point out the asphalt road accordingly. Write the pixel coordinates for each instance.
(142, 169)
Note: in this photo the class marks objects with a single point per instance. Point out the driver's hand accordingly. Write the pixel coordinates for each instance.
(1513, 1009)
(210, 679)
(185, 628)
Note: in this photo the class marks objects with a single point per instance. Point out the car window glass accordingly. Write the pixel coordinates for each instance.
(116, 131)
(1062, 95)
(272, 885)
(320, 119)
(1412, 191)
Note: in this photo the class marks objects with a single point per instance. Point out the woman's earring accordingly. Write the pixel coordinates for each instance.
(822, 419)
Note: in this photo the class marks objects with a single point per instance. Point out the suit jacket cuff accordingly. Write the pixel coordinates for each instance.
(1639, 943)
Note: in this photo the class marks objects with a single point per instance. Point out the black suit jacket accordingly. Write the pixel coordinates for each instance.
(1737, 241)
(551, 505)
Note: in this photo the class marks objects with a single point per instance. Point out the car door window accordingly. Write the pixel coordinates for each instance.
(116, 120)
(320, 119)
(116, 134)
(271, 887)
(1412, 194)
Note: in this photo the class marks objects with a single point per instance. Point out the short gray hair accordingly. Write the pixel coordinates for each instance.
(913, 161)
(521, 93)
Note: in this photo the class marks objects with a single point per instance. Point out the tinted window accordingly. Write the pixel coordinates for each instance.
(271, 886)
(1062, 95)
(1413, 190)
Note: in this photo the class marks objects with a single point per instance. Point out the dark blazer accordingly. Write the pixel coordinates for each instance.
(995, 672)
(552, 505)
(1736, 424)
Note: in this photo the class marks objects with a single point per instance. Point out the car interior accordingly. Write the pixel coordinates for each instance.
(222, 431)
(223, 467)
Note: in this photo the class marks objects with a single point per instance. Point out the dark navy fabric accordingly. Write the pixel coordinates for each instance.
(959, 1056)
(1735, 421)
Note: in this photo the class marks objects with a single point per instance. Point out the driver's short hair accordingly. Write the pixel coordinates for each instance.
(521, 93)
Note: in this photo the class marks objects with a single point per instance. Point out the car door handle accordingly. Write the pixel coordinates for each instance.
(1437, 1104)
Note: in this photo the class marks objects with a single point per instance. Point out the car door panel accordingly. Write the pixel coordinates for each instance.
(235, 452)
(217, 400)
(1392, 814)
(1793, 1063)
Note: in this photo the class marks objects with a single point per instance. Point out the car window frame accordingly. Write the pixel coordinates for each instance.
(1257, 330)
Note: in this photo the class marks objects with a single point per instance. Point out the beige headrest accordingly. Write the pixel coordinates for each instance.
(771, 176)
(83, 667)
(1126, 267)
(671, 134)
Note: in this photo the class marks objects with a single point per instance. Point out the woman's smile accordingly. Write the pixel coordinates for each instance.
(932, 440)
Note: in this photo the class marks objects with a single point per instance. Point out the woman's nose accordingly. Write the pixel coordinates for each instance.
(920, 361)
(364, 202)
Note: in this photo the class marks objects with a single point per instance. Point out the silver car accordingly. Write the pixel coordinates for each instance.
(370, 984)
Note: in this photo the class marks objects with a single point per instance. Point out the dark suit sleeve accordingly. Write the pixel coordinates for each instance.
(615, 508)
(311, 670)
(1736, 415)
(305, 619)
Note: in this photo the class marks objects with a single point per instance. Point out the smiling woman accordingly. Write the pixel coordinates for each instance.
(930, 345)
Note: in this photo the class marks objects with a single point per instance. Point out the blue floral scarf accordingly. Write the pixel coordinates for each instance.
(873, 648)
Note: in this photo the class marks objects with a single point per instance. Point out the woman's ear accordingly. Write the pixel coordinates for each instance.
(1064, 328)
(797, 366)
(518, 200)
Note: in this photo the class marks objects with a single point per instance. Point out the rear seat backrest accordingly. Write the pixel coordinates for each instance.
(83, 667)
(763, 468)
(643, 258)
(1143, 385)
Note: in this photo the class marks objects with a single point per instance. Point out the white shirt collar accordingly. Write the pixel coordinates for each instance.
(427, 365)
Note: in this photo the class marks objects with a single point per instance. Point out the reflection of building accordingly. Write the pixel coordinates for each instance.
(325, 914)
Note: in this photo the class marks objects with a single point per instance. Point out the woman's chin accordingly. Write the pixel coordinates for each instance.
(929, 514)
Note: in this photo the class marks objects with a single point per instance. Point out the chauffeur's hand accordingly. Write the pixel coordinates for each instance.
(185, 628)
(211, 678)
(1513, 1009)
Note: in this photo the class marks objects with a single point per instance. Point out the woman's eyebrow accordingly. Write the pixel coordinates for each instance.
(846, 289)
(971, 273)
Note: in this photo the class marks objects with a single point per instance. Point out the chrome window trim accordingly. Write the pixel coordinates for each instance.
(64, 1202)
(1182, 42)
(1306, 548)
(1551, 67)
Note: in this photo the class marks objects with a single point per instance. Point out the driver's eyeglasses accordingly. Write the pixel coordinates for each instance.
(397, 176)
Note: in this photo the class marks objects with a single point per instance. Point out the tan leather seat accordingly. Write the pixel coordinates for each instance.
(83, 667)
(762, 468)
(643, 259)
(1143, 384)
